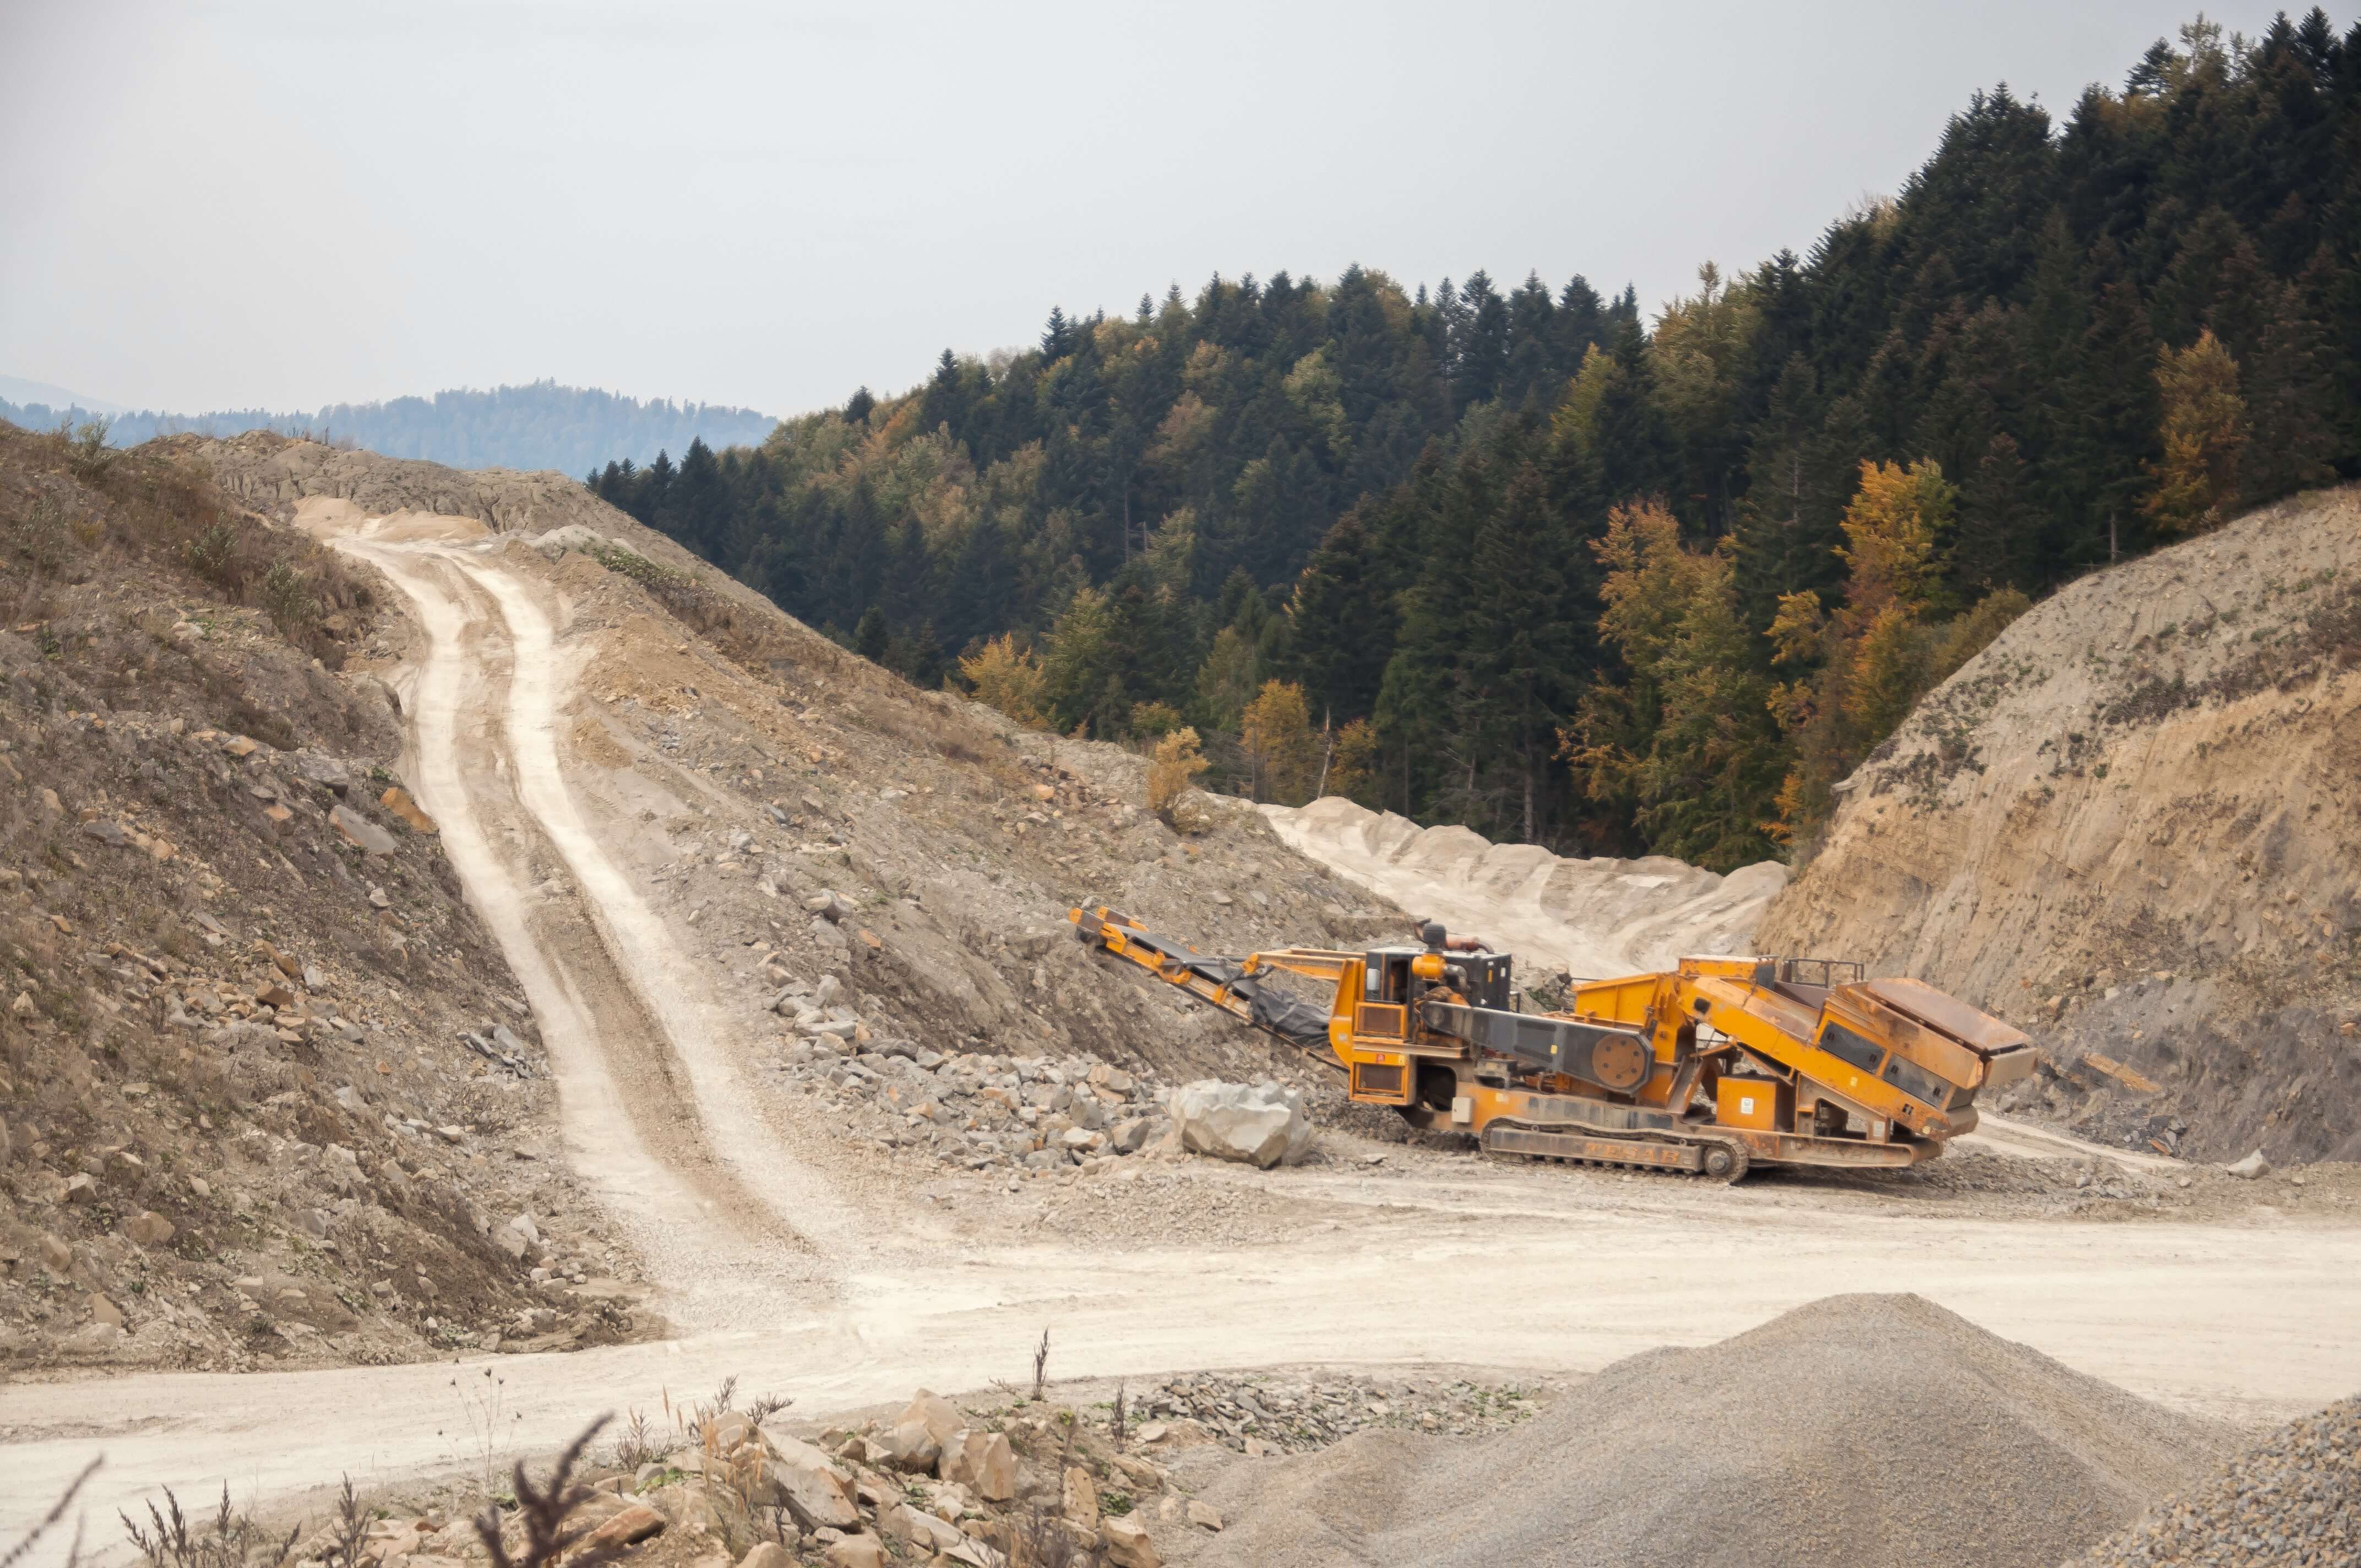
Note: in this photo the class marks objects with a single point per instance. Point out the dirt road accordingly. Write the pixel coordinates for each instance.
(781, 1279)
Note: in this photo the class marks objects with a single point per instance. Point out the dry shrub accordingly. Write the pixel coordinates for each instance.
(85, 507)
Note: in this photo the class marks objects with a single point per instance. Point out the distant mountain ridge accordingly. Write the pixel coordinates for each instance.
(543, 425)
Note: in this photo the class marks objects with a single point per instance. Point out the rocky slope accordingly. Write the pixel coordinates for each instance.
(2127, 825)
(271, 473)
(266, 1094)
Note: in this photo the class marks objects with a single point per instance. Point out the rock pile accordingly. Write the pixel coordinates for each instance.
(2292, 1501)
(972, 1110)
(1255, 1415)
(937, 1483)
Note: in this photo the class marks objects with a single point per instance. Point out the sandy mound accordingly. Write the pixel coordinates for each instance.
(1592, 918)
(1860, 1429)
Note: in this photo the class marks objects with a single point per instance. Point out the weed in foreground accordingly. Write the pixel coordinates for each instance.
(47, 1521)
(547, 1513)
(229, 1540)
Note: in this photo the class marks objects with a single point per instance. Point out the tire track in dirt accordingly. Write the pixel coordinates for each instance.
(482, 708)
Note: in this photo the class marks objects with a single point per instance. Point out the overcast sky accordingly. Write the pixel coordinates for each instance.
(281, 206)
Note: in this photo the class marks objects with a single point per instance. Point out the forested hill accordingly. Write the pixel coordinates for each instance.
(1520, 558)
(543, 425)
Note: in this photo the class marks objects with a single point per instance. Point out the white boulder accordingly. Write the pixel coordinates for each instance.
(1255, 1124)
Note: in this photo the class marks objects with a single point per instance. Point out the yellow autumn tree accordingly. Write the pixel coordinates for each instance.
(1282, 754)
(2203, 433)
(1862, 666)
(1173, 768)
(1353, 764)
(1007, 677)
(1890, 528)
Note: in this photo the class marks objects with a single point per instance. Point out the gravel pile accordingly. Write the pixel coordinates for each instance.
(2292, 1502)
(974, 1111)
(1277, 1414)
(1871, 1431)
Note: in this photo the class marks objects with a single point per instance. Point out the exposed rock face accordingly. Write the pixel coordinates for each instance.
(2127, 827)
(1261, 1125)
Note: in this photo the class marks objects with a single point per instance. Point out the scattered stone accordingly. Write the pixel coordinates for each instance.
(397, 800)
(855, 1552)
(2254, 1168)
(634, 1524)
(103, 1310)
(148, 1229)
(56, 1253)
(81, 1188)
(1127, 1544)
(361, 833)
(983, 1462)
(920, 1530)
(1204, 1514)
(1079, 1499)
(812, 1488)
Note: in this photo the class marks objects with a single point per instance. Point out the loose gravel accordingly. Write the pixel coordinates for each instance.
(2293, 1501)
(1870, 1431)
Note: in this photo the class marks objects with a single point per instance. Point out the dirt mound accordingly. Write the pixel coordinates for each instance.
(242, 1122)
(2125, 826)
(270, 472)
(1865, 1430)
(1589, 917)
(2291, 1501)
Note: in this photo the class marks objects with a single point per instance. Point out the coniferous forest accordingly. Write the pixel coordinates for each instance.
(1516, 555)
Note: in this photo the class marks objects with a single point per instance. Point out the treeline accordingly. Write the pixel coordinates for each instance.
(543, 425)
(1521, 559)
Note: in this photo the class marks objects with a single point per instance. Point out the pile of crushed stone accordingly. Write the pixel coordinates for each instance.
(2292, 1501)
(1870, 1431)
(1254, 1414)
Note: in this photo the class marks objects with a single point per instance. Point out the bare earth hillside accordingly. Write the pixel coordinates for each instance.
(2128, 826)
(241, 1121)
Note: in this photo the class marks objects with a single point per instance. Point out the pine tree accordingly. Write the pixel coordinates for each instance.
(870, 637)
(2290, 396)
(1057, 336)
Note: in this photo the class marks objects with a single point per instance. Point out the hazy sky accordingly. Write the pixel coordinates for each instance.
(286, 204)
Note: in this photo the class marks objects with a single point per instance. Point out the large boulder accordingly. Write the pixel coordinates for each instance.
(1256, 1123)
(983, 1461)
(813, 1489)
(1127, 1544)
